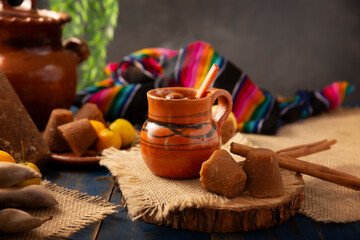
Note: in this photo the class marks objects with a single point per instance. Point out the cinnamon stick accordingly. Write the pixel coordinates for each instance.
(307, 149)
(312, 169)
(209, 79)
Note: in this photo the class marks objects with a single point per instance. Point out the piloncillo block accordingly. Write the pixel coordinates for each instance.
(19, 135)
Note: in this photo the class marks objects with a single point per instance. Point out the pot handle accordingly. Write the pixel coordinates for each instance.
(79, 46)
(225, 104)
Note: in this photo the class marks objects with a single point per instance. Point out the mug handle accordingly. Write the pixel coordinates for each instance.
(225, 104)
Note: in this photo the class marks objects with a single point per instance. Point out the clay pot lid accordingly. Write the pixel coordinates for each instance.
(26, 13)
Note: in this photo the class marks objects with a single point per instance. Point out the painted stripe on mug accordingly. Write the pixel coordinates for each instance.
(178, 129)
(202, 114)
(176, 145)
(176, 149)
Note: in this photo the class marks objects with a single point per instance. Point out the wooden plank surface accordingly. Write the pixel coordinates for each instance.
(93, 180)
(97, 181)
(119, 226)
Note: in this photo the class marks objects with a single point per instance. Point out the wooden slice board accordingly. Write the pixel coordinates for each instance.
(242, 213)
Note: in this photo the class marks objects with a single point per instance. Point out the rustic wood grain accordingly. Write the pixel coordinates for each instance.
(120, 226)
(242, 213)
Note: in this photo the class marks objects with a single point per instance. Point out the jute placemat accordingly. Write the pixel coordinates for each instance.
(324, 201)
(146, 193)
(75, 211)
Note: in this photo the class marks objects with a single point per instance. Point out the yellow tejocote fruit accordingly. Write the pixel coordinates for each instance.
(33, 181)
(6, 157)
(97, 125)
(107, 138)
(126, 131)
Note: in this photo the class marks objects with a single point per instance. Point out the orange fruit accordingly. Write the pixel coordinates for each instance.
(126, 131)
(97, 125)
(33, 181)
(107, 138)
(6, 157)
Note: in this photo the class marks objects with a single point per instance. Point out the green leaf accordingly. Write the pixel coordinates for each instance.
(94, 21)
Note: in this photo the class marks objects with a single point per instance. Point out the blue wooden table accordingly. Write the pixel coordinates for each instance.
(97, 181)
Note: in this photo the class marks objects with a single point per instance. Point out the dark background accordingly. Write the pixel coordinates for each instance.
(283, 45)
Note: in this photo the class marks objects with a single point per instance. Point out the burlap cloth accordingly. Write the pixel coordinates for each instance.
(324, 201)
(75, 211)
(146, 193)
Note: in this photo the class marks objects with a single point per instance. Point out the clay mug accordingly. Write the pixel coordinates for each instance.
(182, 132)
(39, 65)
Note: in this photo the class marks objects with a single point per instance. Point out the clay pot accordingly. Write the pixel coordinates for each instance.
(40, 67)
(181, 133)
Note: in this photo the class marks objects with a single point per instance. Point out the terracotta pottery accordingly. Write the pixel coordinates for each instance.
(40, 67)
(181, 132)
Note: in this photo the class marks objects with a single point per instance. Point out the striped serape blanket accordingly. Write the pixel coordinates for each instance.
(123, 93)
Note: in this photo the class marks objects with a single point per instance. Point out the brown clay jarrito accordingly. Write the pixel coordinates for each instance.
(181, 133)
(263, 174)
(39, 65)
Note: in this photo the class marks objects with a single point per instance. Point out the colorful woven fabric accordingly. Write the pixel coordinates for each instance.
(123, 94)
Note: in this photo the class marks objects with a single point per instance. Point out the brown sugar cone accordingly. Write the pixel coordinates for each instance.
(91, 112)
(51, 135)
(263, 174)
(80, 135)
(221, 174)
(19, 135)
